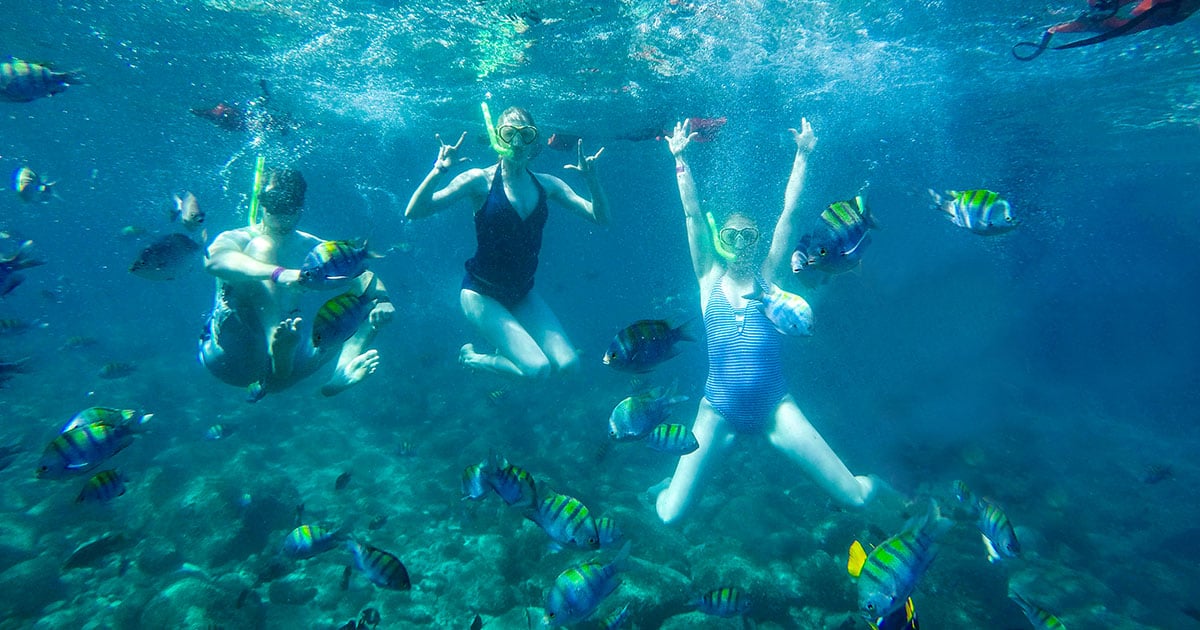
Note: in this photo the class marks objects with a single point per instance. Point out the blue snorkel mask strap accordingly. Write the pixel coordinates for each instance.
(718, 246)
(502, 150)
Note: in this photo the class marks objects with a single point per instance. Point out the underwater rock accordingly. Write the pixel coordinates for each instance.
(292, 590)
(17, 544)
(158, 557)
(195, 603)
(37, 581)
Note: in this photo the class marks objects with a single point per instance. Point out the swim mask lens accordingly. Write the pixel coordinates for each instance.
(729, 236)
(528, 133)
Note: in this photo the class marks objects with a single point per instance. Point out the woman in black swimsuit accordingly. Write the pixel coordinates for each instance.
(497, 292)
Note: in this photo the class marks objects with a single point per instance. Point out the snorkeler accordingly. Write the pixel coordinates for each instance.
(253, 337)
(1107, 18)
(254, 116)
(497, 294)
(746, 392)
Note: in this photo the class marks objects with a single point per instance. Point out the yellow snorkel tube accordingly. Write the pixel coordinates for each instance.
(718, 246)
(258, 186)
(502, 150)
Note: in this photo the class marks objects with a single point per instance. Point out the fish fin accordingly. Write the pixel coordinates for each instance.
(858, 557)
(992, 554)
(681, 330)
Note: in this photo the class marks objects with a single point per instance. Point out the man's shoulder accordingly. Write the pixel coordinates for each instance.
(241, 236)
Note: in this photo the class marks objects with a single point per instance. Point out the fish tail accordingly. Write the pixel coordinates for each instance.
(681, 332)
(867, 216)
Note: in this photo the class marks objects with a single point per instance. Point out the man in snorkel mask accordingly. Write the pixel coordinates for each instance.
(745, 316)
(254, 337)
(512, 205)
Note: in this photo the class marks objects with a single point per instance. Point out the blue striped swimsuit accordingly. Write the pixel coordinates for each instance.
(745, 362)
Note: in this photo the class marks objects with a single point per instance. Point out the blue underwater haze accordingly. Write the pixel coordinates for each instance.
(1053, 368)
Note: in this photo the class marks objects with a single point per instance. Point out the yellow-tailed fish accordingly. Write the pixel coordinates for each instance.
(980, 211)
(888, 575)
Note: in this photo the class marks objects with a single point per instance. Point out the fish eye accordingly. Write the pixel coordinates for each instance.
(823, 251)
(871, 607)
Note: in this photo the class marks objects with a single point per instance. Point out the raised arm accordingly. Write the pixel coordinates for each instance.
(425, 201)
(595, 210)
(788, 230)
(704, 255)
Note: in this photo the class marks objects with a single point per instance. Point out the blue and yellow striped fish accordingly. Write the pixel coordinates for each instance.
(642, 345)
(674, 439)
(31, 187)
(83, 449)
(616, 620)
(837, 244)
(789, 313)
(999, 537)
(980, 211)
(578, 591)
(634, 417)
(608, 532)
(474, 481)
(333, 262)
(21, 81)
(106, 415)
(515, 486)
(889, 574)
(727, 601)
(102, 487)
(566, 520)
(1037, 616)
(307, 541)
(339, 318)
(381, 568)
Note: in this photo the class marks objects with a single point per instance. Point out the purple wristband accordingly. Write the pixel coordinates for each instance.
(278, 272)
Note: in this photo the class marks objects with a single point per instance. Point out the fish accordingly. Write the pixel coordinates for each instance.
(22, 81)
(727, 601)
(904, 618)
(381, 568)
(474, 481)
(515, 486)
(644, 344)
(607, 532)
(999, 537)
(789, 313)
(342, 481)
(563, 141)
(674, 439)
(636, 416)
(477, 623)
(307, 541)
(116, 369)
(219, 432)
(8, 368)
(82, 449)
(102, 487)
(106, 415)
(377, 521)
(331, 263)
(980, 211)
(616, 619)
(11, 265)
(837, 244)
(579, 591)
(76, 342)
(12, 326)
(31, 187)
(888, 575)
(187, 211)
(497, 396)
(369, 617)
(166, 258)
(1037, 616)
(89, 554)
(339, 318)
(566, 520)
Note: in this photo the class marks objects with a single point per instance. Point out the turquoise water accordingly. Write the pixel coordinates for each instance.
(1049, 368)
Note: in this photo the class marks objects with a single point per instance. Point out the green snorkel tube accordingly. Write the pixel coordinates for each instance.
(718, 246)
(258, 186)
(503, 150)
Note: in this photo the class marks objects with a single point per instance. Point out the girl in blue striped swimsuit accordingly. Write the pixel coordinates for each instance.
(746, 392)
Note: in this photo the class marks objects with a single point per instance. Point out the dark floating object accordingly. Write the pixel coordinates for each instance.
(369, 617)
(346, 577)
(478, 623)
(343, 480)
(1157, 472)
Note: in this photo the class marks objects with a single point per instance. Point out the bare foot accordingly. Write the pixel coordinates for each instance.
(360, 367)
(468, 358)
(284, 339)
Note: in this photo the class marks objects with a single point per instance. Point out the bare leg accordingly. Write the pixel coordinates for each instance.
(284, 339)
(714, 436)
(545, 329)
(793, 435)
(354, 362)
(517, 354)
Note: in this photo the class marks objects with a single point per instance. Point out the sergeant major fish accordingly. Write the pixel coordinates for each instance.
(102, 487)
(636, 416)
(999, 537)
(727, 601)
(11, 265)
(788, 312)
(579, 591)
(166, 258)
(106, 415)
(380, 567)
(338, 319)
(980, 211)
(837, 244)
(31, 187)
(644, 344)
(889, 574)
(307, 541)
(82, 449)
(332, 262)
(674, 439)
(22, 81)
(1037, 616)
(567, 521)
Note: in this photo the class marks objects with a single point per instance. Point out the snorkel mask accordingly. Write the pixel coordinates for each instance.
(722, 250)
(501, 149)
